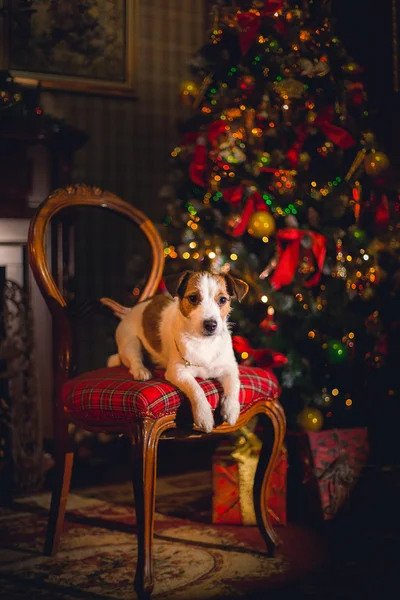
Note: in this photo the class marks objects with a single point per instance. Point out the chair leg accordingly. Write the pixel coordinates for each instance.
(264, 471)
(144, 458)
(64, 458)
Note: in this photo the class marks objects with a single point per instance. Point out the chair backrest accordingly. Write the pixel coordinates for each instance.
(51, 250)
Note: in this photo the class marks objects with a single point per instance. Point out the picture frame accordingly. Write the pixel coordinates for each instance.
(79, 46)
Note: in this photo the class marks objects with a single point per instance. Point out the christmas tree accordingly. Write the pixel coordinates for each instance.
(278, 179)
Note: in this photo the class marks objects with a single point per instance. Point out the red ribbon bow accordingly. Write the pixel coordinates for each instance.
(323, 121)
(249, 23)
(264, 358)
(234, 195)
(289, 256)
(197, 167)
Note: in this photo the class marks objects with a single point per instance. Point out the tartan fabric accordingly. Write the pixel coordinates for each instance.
(110, 395)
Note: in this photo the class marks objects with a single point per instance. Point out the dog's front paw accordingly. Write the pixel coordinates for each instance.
(140, 373)
(203, 417)
(230, 409)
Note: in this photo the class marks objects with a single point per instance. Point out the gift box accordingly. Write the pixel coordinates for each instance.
(331, 462)
(233, 471)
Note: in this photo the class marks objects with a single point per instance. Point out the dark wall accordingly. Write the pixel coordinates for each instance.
(130, 141)
(365, 26)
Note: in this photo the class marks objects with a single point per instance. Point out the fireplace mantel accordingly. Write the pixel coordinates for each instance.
(13, 255)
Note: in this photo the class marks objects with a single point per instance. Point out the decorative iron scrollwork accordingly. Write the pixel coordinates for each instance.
(16, 350)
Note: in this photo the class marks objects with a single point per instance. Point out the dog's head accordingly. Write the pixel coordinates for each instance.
(205, 299)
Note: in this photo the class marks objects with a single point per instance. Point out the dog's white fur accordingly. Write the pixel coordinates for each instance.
(209, 355)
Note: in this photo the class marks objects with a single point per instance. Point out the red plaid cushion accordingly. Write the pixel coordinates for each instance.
(110, 395)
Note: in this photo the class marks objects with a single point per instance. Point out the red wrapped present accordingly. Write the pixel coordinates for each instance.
(332, 461)
(233, 471)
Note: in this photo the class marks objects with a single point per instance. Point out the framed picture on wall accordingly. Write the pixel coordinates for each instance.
(79, 45)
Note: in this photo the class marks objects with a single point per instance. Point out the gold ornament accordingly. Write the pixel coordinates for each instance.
(261, 224)
(375, 163)
(310, 419)
(290, 88)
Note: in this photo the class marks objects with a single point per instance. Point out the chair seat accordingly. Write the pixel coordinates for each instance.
(110, 395)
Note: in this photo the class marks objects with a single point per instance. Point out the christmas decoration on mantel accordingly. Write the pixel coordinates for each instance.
(277, 178)
(21, 113)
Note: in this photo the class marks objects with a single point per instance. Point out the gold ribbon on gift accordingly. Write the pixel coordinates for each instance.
(248, 445)
(246, 453)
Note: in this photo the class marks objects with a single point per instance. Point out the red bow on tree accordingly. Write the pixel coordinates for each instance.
(288, 243)
(381, 211)
(264, 358)
(249, 23)
(323, 121)
(197, 167)
(234, 195)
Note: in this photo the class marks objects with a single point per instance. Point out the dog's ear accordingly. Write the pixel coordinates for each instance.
(236, 287)
(176, 284)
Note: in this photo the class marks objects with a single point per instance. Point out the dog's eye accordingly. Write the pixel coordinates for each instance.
(222, 301)
(193, 299)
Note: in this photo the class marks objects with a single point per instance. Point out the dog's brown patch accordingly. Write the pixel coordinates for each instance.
(223, 292)
(151, 320)
(192, 289)
(236, 287)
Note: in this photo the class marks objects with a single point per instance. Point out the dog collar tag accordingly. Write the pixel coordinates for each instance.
(186, 363)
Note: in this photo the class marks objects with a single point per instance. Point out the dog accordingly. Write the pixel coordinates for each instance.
(188, 334)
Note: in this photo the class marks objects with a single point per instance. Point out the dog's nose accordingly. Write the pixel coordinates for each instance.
(210, 325)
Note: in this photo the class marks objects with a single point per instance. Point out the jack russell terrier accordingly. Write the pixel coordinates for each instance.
(188, 335)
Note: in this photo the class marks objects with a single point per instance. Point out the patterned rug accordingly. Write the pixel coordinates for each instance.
(193, 558)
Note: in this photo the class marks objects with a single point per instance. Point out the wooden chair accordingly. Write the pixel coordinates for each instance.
(144, 428)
